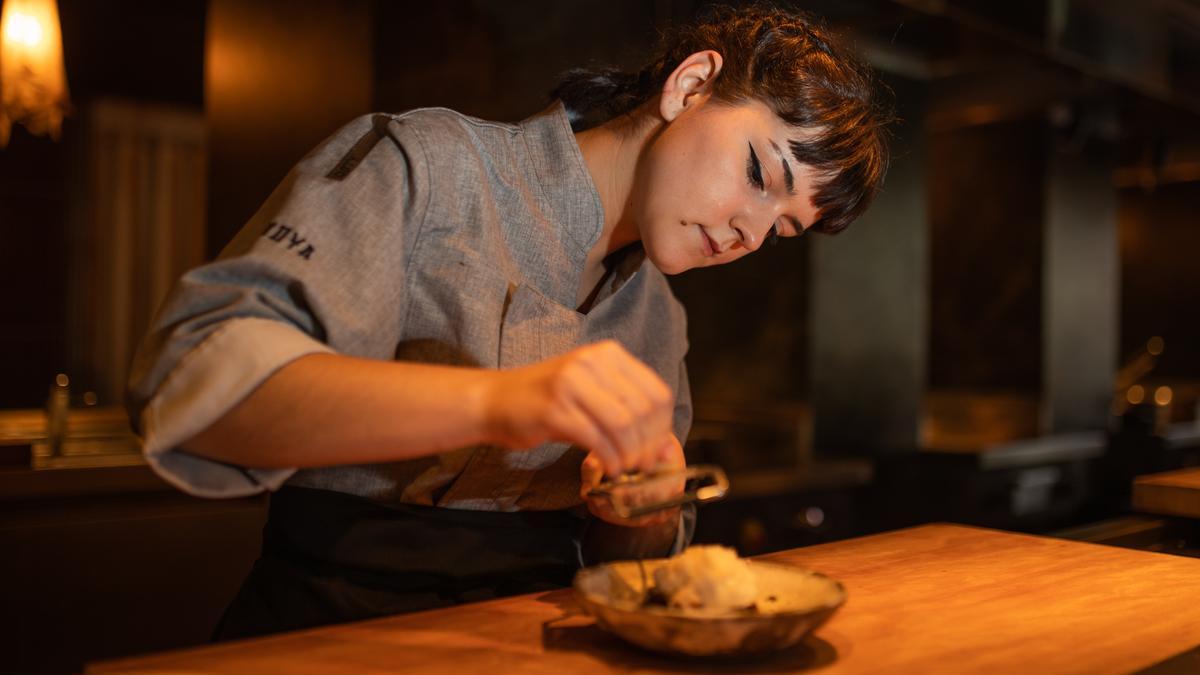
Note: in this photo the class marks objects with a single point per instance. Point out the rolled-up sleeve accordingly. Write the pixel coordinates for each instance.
(320, 268)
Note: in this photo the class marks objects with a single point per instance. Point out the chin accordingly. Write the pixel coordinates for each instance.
(668, 264)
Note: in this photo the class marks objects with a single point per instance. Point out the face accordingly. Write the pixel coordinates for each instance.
(716, 183)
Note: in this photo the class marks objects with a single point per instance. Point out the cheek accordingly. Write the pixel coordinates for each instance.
(716, 184)
(705, 191)
(677, 166)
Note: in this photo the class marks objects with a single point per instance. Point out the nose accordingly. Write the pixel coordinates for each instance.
(752, 227)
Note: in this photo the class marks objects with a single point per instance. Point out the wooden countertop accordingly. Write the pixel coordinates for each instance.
(1172, 493)
(936, 598)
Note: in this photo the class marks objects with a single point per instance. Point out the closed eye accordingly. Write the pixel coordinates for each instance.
(754, 170)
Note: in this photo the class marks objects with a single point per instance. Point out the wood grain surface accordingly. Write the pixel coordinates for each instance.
(932, 599)
(1174, 493)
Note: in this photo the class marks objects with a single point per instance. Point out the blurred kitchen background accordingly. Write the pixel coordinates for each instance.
(1006, 339)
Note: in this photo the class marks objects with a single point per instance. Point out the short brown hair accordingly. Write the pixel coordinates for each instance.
(787, 60)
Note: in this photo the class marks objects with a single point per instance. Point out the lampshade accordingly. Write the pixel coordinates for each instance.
(33, 82)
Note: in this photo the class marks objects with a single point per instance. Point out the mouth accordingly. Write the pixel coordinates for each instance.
(709, 247)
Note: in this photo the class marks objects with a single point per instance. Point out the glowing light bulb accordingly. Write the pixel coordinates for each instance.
(24, 29)
(1162, 396)
(33, 81)
(1136, 394)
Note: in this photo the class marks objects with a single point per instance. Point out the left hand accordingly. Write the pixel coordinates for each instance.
(670, 457)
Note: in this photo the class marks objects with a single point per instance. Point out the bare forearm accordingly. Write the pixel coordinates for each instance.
(327, 409)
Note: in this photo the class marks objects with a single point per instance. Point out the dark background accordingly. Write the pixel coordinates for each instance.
(497, 61)
(111, 561)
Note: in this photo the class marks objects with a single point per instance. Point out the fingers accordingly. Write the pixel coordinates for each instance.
(655, 490)
(670, 453)
(614, 420)
(599, 397)
(629, 402)
(658, 400)
(644, 406)
(591, 472)
(577, 427)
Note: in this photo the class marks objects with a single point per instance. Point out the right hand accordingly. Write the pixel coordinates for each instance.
(655, 491)
(598, 397)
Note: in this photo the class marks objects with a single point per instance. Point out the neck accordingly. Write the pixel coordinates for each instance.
(611, 152)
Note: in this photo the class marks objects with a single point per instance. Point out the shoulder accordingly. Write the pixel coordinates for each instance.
(450, 124)
(451, 137)
(423, 137)
(448, 145)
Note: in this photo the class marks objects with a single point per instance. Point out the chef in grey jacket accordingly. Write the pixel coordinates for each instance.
(439, 332)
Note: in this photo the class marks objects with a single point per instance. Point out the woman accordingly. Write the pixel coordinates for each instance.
(439, 332)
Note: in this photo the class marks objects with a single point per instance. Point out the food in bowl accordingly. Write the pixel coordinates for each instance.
(706, 579)
(789, 603)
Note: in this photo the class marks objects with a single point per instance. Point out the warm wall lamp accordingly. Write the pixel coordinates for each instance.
(33, 82)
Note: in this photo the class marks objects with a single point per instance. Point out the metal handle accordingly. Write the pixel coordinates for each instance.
(702, 483)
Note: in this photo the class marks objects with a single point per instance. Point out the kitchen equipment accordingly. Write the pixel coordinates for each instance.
(638, 494)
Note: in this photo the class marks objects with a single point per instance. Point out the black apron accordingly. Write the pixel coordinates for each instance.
(330, 557)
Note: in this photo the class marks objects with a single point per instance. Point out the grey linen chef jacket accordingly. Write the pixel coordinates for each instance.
(427, 236)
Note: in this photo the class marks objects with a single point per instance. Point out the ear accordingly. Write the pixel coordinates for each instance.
(691, 83)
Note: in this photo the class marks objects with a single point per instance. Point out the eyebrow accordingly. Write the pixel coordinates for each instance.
(788, 179)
